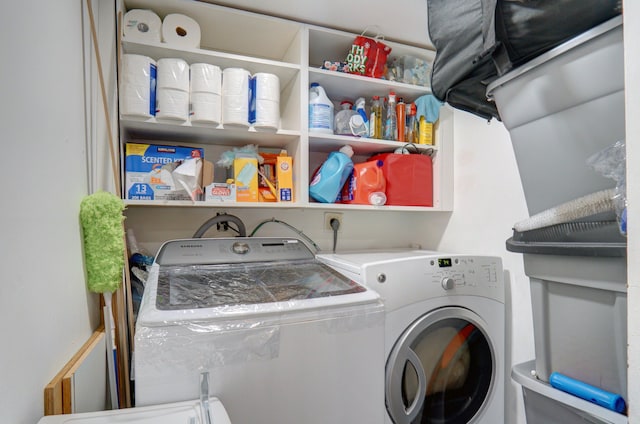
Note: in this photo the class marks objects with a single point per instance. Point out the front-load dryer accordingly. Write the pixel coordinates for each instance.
(444, 333)
(284, 338)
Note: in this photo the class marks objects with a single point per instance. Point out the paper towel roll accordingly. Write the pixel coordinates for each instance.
(267, 115)
(142, 25)
(235, 97)
(138, 86)
(181, 31)
(173, 73)
(172, 104)
(267, 86)
(205, 108)
(206, 78)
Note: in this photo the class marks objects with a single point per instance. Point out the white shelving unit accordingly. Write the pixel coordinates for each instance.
(294, 52)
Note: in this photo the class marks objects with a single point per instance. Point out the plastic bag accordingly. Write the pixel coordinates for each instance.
(611, 163)
(367, 56)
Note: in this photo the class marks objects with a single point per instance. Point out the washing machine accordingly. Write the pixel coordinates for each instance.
(445, 332)
(284, 337)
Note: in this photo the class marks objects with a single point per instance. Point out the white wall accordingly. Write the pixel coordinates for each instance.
(488, 200)
(632, 111)
(44, 306)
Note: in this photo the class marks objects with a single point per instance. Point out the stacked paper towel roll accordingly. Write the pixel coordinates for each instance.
(142, 25)
(173, 89)
(138, 86)
(267, 101)
(205, 93)
(235, 97)
(180, 31)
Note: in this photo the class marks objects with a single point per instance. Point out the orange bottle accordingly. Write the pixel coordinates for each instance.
(401, 116)
(366, 179)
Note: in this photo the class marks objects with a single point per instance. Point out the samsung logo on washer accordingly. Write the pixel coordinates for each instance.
(191, 246)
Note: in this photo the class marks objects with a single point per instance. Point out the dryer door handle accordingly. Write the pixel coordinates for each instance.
(395, 376)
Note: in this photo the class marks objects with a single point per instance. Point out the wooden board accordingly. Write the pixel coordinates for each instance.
(54, 391)
(84, 383)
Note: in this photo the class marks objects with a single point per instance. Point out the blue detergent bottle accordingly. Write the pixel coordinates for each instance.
(327, 182)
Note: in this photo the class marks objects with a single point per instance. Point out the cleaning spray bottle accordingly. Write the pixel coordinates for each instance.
(391, 122)
(327, 182)
(375, 123)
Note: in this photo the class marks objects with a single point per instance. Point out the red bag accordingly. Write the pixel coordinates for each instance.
(367, 56)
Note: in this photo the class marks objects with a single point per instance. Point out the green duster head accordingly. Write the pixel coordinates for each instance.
(103, 233)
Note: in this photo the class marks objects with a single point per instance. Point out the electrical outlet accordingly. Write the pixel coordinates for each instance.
(328, 216)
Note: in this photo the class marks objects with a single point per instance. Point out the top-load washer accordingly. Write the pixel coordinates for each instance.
(284, 338)
(445, 332)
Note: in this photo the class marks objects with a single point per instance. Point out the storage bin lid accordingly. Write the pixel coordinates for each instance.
(582, 238)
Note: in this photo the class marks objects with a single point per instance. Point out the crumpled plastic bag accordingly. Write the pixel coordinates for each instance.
(611, 163)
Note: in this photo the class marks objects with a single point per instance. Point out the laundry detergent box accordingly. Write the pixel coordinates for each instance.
(158, 172)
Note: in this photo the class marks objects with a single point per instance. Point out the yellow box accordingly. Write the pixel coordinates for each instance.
(245, 173)
(425, 131)
(284, 177)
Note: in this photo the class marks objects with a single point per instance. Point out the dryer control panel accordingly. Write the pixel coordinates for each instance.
(460, 271)
(433, 276)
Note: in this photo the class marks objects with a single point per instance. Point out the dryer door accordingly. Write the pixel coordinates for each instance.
(441, 370)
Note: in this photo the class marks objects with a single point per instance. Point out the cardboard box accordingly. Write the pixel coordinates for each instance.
(220, 192)
(284, 178)
(245, 174)
(149, 171)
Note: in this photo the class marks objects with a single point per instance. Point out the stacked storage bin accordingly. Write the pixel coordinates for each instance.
(561, 108)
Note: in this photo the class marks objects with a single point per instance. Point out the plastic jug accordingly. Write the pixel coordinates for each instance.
(320, 110)
(328, 180)
(341, 122)
(366, 185)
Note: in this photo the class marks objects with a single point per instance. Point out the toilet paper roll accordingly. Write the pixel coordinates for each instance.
(235, 110)
(206, 78)
(138, 86)
(206, 108)
(142, 25)
(172, 104)
(235, 81)
(267, 86)
(180, 31)
(137, 101)
(173, 73)
(267, 115)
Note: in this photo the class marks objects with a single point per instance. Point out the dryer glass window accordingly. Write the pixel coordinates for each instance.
(443, 373)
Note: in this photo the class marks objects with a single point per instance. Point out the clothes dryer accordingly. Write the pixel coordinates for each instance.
(284, 337)
(444, 333)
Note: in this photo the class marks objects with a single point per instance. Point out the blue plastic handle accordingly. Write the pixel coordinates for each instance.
(588, 392)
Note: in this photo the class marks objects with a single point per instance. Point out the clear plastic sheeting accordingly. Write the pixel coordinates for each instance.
(200, 317)
(230, 286)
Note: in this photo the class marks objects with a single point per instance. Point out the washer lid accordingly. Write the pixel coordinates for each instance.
(252, 291)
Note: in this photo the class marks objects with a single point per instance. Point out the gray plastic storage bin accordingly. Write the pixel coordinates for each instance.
(579, 308)
(561, 108)
(547, 405)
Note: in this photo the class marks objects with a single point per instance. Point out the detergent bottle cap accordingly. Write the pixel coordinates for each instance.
(347, 150)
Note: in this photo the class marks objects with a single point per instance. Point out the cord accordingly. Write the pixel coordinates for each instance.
(335, 224)
(288, 226)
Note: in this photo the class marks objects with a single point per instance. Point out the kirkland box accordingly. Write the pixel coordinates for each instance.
(562, 107)
(153, 171)
(546, 405)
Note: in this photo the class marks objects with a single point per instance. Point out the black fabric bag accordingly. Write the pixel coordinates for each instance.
(477, 41)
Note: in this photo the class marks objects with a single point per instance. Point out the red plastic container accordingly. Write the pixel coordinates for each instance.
(409, 179)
